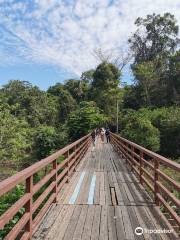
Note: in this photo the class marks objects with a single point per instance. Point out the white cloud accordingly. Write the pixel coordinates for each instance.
(65, 33)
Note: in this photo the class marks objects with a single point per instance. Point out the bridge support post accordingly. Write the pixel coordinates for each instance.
(55, 180)
(28, 206)
(156, 188)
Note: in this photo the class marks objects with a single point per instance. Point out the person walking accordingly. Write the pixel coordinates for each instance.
(93, 136)
(97, 132)
(107, 133)
(102, 132)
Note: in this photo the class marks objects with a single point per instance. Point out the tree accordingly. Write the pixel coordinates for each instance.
(105, 90)
(153, 45)
(139, 129)
(30, 103)
(133, 97)
(155, 37)
(167, 120)
(45, 141)
(66, 103)
(15, 138)
(147, 78)
(78, 89)
(88, 76)
(84, 119)
(106, 76)
(173, 81)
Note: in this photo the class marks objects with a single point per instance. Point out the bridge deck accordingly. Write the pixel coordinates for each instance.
(103, 200)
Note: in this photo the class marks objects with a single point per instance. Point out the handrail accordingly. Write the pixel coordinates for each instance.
(147, 165)
(53, 181)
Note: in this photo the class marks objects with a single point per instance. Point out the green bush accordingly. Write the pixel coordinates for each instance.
(167, 120)
(141, 131)
(143, 125)
(45, 141)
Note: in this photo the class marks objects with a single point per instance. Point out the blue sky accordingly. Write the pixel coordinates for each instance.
(48, 41)
(41, 75)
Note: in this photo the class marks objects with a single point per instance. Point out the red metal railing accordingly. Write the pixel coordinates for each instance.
(149, 167)
(56, 175)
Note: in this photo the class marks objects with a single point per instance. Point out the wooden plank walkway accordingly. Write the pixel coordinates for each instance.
(102, 201)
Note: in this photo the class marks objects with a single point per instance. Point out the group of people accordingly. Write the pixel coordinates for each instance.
(102, 132)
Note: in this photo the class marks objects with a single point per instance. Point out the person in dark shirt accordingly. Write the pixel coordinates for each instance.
(107, 133)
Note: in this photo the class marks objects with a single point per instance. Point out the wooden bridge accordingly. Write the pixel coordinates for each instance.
(110, 191)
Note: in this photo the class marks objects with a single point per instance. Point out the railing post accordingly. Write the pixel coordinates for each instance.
(55, 180)
(132, 154)
(121, 152)
(75, 147)
(156, 188)
(28, 206)
(126, 145)
(140, 168)
(67, 155)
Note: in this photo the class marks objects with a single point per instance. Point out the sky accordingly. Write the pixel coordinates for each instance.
(49, 41)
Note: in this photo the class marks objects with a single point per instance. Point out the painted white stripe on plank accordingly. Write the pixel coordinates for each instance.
(77, 189)
(92, 189)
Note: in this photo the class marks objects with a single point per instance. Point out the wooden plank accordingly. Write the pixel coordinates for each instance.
(137, 195)
(102, 189)
(112, 223)
(80, 224)
(120, 177)
(72, 223)
(52, 233)
(144, 222)
(88, 223)
(64, 223)
(113, 196)
(107, 189)
(104, 224)
(114, 179)
(134, 222)
(96, 223)
(97, 189)
(48, 222)
(83, 194)
(119, 224)
(109, 178)
(63, 193)
(123, 193)
(118, 194)
(127, 223)
(128, 192)
(72, 186)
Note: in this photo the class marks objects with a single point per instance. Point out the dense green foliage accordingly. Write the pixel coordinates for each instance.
(155, 94)
(157, 129)
(15, 137)
(156, 62)
(6, 201)
(139, 129)
(86, 117)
